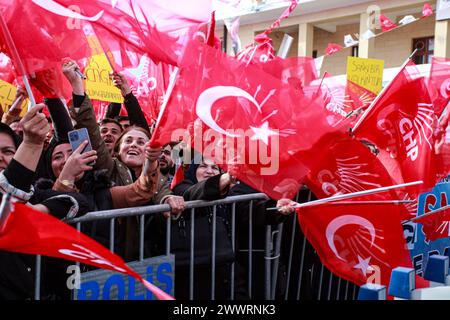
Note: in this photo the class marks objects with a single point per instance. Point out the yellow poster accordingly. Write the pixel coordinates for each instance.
(99, 84)
(7, 95)
(367, 73)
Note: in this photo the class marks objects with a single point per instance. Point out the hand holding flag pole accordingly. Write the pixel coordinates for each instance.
(353, 195)
(381, 94)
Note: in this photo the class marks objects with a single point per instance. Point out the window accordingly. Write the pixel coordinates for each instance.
(425, 50)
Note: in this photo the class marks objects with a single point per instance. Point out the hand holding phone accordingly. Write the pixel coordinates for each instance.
(77, 164)
(76, 137)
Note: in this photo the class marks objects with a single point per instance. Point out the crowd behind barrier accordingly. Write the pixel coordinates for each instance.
(292, 270)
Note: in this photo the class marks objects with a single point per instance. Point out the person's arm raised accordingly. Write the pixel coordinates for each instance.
(35, 127)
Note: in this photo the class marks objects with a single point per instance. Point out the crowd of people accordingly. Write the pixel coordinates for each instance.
(39, 167)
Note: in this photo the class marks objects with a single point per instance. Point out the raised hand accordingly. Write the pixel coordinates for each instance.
(121, 82)
(35, 126)
(69, 69)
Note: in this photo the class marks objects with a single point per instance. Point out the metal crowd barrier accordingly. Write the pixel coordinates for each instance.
(299, 272)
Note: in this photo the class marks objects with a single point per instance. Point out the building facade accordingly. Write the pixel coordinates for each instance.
(316, 23)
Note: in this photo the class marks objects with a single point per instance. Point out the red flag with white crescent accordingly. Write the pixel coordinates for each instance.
(241, 116)
(401, 126)
(361, 243)
(48, 236)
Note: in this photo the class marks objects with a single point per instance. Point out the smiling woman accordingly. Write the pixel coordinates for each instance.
(131, 148)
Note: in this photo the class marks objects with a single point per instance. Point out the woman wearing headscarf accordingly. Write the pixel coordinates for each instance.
(18, 163)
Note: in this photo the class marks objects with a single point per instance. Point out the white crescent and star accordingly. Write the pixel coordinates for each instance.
(344, 220)
(207, 99)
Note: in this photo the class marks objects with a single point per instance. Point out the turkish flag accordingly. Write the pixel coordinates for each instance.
(360, 243)
(386, 23)
(237, 113)
(439, 84)
(48, 236)
(401, 125)
(436, 225)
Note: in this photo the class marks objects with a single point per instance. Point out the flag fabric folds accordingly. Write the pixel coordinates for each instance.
(401, 126)
(360, 243)
(236, 114)
(48, 236)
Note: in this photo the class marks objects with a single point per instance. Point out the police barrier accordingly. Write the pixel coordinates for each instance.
(292, 269)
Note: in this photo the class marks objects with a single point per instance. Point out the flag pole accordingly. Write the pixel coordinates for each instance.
(353, 195)
(381, 94)
(430, 213)
(397, 202)
(172, 81)
(5, 210)
(16, 57)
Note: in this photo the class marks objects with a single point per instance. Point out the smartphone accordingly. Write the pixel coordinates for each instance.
(77, 137)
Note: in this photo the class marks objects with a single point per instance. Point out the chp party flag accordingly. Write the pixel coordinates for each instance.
(386, 23)
(240, 116)
(348, 167)
(401, 125)
(332, 48)
(32, 232)
(360, 243)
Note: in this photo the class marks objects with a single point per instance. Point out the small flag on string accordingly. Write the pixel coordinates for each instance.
(427, 10)
(367, 35)
(386, 23)
(333, 48)
(407, 19)
(349, 41)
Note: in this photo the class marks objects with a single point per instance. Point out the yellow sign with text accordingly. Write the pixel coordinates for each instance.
(99, 84)
(367, 73)
(7, 95)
